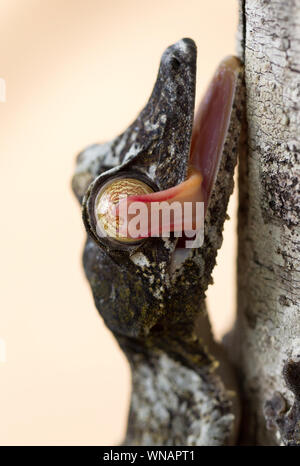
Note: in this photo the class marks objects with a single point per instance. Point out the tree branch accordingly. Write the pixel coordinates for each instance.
(267, 334)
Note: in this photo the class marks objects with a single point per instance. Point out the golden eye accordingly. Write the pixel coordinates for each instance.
(107, 199)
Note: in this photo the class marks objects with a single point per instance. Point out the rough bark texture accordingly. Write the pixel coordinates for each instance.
(267, 333)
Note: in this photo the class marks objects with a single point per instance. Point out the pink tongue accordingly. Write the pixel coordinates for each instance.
(173, 200)
(208, 138)
(212, 122)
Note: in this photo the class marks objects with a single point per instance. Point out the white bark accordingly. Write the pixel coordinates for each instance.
(267, 333)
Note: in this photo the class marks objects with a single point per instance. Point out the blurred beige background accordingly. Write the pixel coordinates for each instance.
(77, 72)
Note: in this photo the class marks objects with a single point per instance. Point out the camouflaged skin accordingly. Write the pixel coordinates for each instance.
(150, 306)
(281, 418)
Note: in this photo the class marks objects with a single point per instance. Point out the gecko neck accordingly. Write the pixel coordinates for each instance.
(172, 404)
(178, 397)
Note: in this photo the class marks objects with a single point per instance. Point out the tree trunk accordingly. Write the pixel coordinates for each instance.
(267, 332)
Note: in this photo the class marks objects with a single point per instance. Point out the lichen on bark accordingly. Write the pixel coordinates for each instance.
(267, 332)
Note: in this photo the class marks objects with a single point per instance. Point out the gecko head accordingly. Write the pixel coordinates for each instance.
(148, 257)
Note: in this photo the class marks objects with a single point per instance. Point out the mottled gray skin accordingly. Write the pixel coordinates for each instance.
(279, 416)
(157, 311)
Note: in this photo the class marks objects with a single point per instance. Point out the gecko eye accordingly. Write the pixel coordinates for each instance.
(100, 212)
(109, 197)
